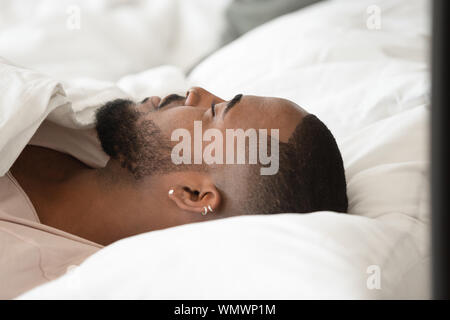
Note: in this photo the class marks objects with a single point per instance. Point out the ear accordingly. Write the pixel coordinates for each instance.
(194, 192)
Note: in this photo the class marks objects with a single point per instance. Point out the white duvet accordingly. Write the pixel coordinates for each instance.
(370, 86)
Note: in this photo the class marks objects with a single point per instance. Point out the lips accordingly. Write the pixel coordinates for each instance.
(172, 100)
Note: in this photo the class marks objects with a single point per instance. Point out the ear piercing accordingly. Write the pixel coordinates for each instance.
(206, 209)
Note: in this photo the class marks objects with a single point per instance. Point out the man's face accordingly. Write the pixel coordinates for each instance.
(244, 112)
(140, 135)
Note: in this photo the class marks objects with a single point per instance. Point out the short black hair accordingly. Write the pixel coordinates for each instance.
(311, 175)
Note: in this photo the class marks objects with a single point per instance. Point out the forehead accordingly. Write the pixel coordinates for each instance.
(273, 103)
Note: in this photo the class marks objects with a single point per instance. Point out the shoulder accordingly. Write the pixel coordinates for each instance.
(45, 165)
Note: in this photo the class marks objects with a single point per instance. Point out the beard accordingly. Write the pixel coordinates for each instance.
(136, 143)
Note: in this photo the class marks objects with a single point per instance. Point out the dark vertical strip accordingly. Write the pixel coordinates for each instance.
(439, 158)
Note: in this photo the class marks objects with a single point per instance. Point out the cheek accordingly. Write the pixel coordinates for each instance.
(284, 121)
(247, 121)
(176, 118)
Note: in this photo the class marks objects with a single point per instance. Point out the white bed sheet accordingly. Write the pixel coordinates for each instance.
(371, 87)
(108, 39)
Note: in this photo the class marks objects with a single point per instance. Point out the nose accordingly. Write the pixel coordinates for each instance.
(199, 97)
(155, 100)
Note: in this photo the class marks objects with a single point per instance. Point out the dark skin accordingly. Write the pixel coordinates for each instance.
(75, 198)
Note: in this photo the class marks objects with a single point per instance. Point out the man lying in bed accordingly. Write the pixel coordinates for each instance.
(55, 210)
(141, 188)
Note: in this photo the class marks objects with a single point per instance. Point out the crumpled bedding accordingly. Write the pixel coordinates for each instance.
(371, 87)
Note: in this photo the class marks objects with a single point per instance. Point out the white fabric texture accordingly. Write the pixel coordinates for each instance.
(371, 87)
(19, 89)
(108, 39)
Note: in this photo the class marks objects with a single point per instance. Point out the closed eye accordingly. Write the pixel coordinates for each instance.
(213, 109)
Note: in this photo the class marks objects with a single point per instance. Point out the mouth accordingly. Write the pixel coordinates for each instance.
(169, 99)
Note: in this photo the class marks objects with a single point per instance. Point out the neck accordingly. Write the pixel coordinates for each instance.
(100, 205)
(93, 207)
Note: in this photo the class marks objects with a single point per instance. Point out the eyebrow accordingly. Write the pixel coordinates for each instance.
(232, 103)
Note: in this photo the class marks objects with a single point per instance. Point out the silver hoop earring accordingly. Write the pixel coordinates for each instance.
(205, 211)
(210, 209)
